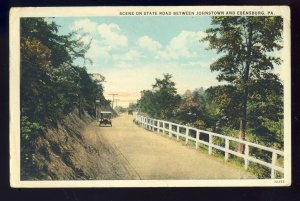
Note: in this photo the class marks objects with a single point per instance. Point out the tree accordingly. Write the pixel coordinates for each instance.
(133, 106)
(147, 103)
(162, 100)
(189, 109)
(166, 96)
(48, 74)
(226, 98)
(52, 84)
(265, 110)
(195, 109)
(65, 48)
(245, 44)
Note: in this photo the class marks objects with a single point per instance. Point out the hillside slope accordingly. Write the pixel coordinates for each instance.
(66, 153)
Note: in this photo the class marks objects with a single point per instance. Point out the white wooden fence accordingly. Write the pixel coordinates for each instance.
(193, 134)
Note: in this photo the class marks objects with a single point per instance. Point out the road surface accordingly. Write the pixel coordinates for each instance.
(148, 155)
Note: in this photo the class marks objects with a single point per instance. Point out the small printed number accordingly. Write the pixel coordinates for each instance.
(279, 181)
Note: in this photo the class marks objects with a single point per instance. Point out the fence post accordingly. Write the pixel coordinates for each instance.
(246, 156)
(186, 135)
(152, 123)
(274, 160)
(226, 149)
(177, 133)
(197, 139)
(210, 141)
(159, 126)
(147, 123)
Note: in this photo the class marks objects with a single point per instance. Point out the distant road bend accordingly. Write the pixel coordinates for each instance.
(152, 156)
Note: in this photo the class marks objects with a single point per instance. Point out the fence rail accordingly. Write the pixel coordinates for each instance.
(194, 134)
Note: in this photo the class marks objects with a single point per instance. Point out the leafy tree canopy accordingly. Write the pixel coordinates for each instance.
(246, 45)
(161, 101)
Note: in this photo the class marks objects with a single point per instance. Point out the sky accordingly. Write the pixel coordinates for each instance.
(130, 52)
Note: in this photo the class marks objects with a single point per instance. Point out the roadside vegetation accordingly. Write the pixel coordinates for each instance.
(250, 105)
(55, 83)
(52, 83)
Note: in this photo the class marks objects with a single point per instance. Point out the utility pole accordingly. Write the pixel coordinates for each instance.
(112, 105)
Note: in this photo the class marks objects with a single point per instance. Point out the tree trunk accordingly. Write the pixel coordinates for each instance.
(243, 121)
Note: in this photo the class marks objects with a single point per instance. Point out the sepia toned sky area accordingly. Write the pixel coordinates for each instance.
(130, 52)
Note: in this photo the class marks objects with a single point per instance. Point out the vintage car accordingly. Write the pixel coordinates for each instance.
(105, 118)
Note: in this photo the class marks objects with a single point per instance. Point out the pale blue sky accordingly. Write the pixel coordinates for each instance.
(132, 51)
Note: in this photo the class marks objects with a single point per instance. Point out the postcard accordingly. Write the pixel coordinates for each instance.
(166, 96)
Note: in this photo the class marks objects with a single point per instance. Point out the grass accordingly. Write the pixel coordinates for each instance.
(236, 160)
(260, 171)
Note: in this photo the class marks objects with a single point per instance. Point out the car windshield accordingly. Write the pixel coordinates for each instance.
(105, 115)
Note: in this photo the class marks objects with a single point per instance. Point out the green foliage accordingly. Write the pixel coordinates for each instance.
(252, 100)
(147, 104)
(51, 84)
(265, 110)
(133, 106)
(245, 44)
(29, 129)
(226, 99)
(29, 132)
(196, 109)
(162, 100)
(65, 48)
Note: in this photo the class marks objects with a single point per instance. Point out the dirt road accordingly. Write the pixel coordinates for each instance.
(148, 155)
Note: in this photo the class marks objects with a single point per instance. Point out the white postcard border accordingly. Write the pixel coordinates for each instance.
(14, 94)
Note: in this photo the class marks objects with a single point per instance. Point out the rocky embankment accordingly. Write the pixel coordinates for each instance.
(74, 151)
